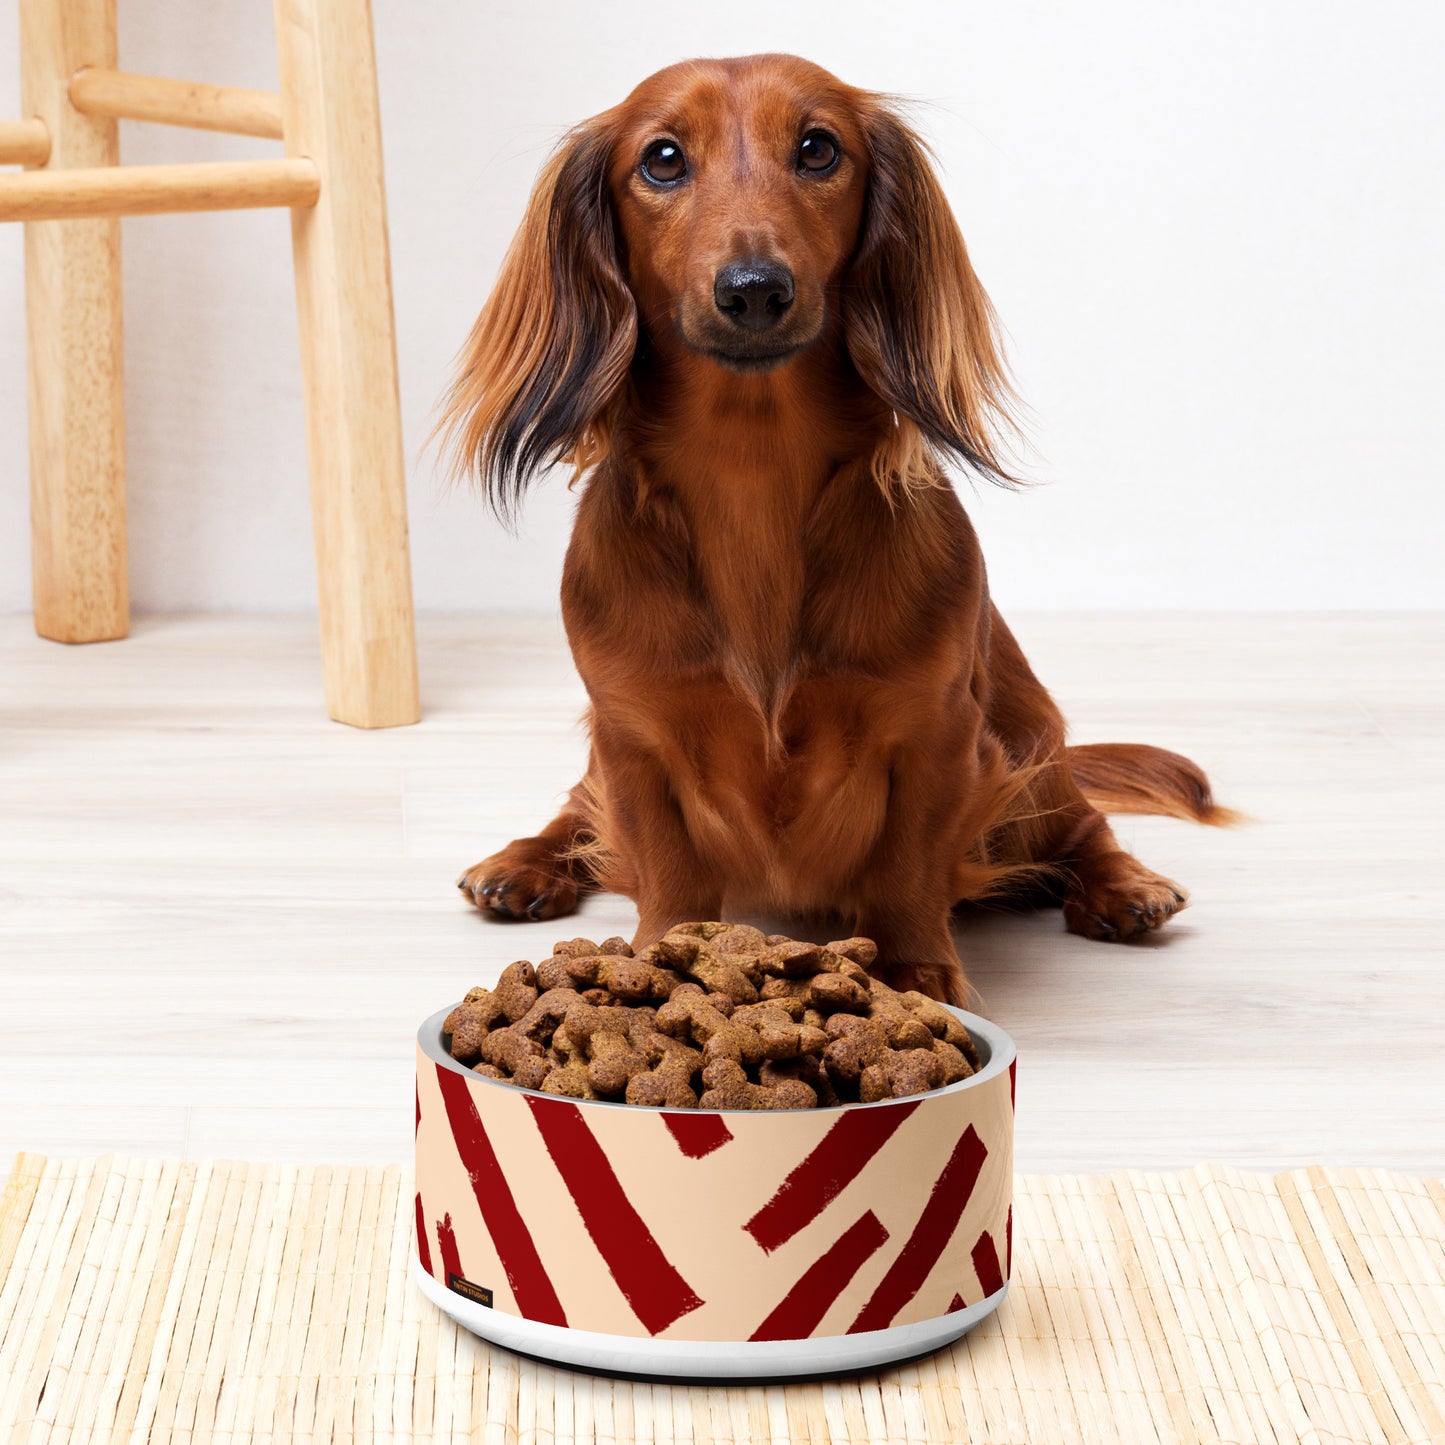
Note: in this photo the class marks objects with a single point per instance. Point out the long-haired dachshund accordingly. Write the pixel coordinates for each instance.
(740, 307)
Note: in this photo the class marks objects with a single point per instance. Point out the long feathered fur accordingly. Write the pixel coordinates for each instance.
(540, 372)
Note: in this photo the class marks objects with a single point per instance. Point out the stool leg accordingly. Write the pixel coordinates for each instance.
(348, 359)
(72, 305)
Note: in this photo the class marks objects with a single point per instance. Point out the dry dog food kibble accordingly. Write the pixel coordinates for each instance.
(713, 1016)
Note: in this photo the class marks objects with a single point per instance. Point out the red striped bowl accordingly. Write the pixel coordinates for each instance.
(701, 1243)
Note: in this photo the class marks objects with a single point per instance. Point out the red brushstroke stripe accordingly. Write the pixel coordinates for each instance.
(417, 1130)
(1013, 1078)
(451, 1258)
(1008, 1242)
(697, 1135)
(940, 1216)
(423, 1244)
(800, 1310)
(839, 1158)
(956, 1304)
(985, 1264)
(657, 1293)
(532, 1289)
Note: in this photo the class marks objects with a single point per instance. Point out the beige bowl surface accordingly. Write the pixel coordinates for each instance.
(703, 1242)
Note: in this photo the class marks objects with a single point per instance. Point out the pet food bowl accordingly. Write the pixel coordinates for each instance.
(714, 1243)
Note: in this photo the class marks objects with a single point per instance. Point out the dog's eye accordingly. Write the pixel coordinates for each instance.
(818, 152)
(664, 162)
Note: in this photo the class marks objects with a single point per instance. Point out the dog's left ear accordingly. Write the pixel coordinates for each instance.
(919, 325)
(541, 369)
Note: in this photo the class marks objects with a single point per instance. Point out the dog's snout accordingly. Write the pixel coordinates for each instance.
(754, 294)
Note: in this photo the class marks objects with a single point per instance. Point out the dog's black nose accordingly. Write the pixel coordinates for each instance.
(754, 294)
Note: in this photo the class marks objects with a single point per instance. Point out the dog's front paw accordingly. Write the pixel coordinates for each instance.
(1117, 899)
(514, 886)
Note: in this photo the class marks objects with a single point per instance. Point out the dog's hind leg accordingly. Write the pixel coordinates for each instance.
(1106, 892)
(539, 877)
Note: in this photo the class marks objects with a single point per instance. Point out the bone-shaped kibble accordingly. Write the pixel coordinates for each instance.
(570, 1081)
(806, 1069)
(642, 1034)
(720, 1001)
(516, 989)
(541, 1020)
(768, 1021)
(903, 1029)
(778, 1010)
(781, 1036)
(521, 1058)
(831, 993)
(898, 1074)
(470, 1022)
(705, 931)
(715, 972)
(690, 1017)
(907, 1033)
(940, 1023)
(855, 1045)
(565, 1047)
(739, 938)
(797, 960)
(629, 980)
(862, 951)
(728, 1087)
(575, 947)
(552, 973)
(603, 1034)
(954, 1062)
(774, 989)
(668, 1083)
(792, 1004)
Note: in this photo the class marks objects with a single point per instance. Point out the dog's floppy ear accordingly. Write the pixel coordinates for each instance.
(919, 325)
(550, 350)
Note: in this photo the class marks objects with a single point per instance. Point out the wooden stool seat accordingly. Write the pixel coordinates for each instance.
(71, 200)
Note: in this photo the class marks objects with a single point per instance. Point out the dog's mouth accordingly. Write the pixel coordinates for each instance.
(752, 358)
(739, 350)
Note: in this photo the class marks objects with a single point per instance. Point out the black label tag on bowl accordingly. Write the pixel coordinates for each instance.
(474, 1292)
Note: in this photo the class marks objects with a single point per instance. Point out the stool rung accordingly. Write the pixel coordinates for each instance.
(24, 143)
(60, 195)
(123, 96)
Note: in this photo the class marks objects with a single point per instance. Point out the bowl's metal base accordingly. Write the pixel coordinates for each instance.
(705, 1359)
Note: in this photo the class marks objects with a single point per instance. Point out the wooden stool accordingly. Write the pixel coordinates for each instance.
(331, 179)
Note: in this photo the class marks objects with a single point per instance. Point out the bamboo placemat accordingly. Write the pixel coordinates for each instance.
(145, 1299)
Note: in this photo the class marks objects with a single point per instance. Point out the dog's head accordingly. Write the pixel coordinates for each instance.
(730, 214)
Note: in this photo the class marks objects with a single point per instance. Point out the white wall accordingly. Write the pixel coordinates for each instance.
(1213, 230)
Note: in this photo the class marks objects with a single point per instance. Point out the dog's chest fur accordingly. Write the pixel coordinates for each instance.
(775, 658)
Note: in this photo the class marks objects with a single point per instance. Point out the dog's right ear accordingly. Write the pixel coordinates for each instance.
(544, 362)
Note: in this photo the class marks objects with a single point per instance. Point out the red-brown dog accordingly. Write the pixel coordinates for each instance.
(740, 305)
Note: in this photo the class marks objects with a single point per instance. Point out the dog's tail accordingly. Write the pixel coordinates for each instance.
(1135, 778)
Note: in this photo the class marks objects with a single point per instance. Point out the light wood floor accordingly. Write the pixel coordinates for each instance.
(222, 916)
